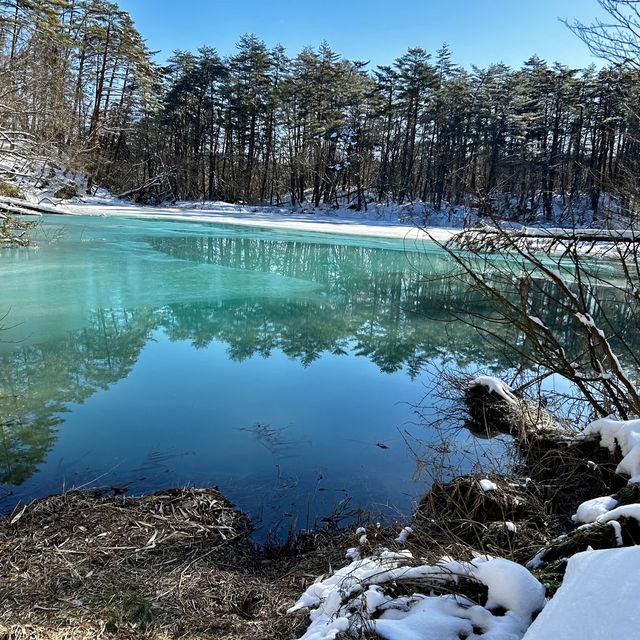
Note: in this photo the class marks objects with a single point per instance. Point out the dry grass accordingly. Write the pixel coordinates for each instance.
(174, 564)
(556, 474)
(459, 519)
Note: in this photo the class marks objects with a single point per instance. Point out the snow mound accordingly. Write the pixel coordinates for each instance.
(598, 598)
(591, 510)
(511, 587)
(348, 600)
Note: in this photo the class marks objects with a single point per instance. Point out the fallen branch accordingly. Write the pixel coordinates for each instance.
(559, 234)
(151, 182)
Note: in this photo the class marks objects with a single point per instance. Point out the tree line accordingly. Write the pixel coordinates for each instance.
(262, 127)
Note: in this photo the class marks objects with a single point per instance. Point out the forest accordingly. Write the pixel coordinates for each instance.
(78, 83)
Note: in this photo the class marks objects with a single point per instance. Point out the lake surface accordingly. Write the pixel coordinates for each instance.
(281, 367)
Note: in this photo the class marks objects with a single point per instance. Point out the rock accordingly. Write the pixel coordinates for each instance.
(67, 191)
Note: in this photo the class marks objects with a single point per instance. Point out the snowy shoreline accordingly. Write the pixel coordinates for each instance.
(408, 222)
(382, 222)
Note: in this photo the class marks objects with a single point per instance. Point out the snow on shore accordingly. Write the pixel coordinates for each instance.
(378, 221)
(413, 222)
(598, 598)
(356, 599)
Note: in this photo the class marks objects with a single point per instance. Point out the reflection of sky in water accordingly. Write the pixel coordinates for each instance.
(160, 354)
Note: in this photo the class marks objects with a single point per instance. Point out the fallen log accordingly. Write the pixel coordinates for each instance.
(16, 206)
(17, 211)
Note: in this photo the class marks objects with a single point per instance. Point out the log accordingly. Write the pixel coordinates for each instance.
(558, 234)
(17, 211)
(16, 206)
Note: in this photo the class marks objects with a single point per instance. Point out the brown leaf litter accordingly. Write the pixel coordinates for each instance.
(173, 564)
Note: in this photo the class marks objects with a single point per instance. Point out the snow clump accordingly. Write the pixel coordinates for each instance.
(348, 600)
(487, 485)
(622, 433)
(495, 385)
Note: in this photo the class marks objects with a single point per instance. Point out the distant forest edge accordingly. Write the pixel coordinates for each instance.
(77, 82)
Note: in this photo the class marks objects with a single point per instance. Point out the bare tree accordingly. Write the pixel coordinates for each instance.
(557, 301)
(618, 39)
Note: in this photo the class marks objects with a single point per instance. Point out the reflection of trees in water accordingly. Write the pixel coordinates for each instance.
(366, 301)
(37, 382)
(370, 300)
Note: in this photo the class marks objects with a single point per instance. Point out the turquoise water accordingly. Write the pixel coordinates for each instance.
(281, 367)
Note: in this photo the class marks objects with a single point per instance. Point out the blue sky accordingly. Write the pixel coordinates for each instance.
(477, 31)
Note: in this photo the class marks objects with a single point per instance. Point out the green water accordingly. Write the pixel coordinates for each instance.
(281, 367)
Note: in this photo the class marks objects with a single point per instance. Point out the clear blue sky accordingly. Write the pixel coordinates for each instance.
(477, 31)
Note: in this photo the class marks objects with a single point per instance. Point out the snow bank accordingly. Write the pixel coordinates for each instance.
(414, 222)
(379, 221)
(495, 385)
(598, 598)
(347, 600)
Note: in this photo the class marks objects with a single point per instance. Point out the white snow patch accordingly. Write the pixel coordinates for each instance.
(598, 598)
(537, 321)
(404, 535)
(359, 587)
(591, 510)
(537, 561)
(625, 511)
(487, 485)
(622, 433)
(586, 320)
(430, 618)
(617, 529)
(496, 386)
(352, 554)
(511, 587)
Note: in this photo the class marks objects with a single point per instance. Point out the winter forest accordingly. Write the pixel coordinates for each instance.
(269, 126)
